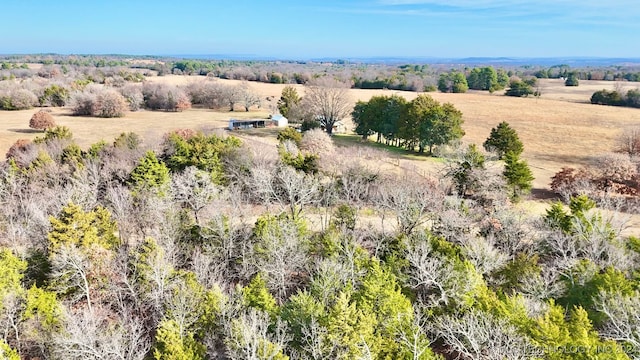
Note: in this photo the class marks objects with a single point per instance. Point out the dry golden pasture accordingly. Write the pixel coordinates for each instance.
(88, 130)
(560, 128)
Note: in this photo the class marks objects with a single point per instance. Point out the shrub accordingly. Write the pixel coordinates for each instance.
(345, 216)
(182, 101)
(133, 95)
(19, 146)
(614, 167)
(42, 120)
(22, 99)
(604, 97)
(82, 103)
(164, 97)
(55, 133)
(309, 125)
(109, 104)
(610, 172)
(633, 98)
(290, 155)
(128, 140)
(317, 141)
(290, 133)
(54, 95)
(519, 89)
(572, 80)
(185, 134)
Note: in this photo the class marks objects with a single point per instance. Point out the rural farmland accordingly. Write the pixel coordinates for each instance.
(561, 128)
(312, 180)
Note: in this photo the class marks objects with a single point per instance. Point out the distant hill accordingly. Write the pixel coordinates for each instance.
(514, 61)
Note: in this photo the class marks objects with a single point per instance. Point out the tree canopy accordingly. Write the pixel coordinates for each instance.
(421, 123)
(503, 139)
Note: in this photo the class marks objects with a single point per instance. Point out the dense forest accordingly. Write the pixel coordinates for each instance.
(205, 246)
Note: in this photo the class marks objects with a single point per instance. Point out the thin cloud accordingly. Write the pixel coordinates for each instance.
(617, 13)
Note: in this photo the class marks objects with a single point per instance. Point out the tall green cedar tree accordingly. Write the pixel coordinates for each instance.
(151, 175)
(503, 139)
(288, 99)
(518, 175)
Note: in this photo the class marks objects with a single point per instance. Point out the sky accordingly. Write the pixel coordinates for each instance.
(307, 29)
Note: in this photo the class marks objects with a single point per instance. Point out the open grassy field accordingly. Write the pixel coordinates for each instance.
(560, 128)
(88, 130)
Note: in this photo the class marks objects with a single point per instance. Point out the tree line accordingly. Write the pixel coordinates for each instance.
(617, 98)
(415, 125)
(487, 78)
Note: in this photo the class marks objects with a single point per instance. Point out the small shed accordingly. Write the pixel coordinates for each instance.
(235, 124)
(279, 120)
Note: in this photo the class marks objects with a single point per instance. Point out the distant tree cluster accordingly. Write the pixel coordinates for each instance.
(479, 78)
(522, 88)
(615, 98)
(487, 78)
(58, 85)
(99, 102)
(572, 79)
(165, 97)
(416, 125)
(608, 73)
(453, 82)
(214, 95)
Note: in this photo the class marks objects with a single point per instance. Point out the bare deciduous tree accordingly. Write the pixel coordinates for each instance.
(96, 336)
(622, 317)
(483, 254)
(297, 189)
(249, 98)
(315, 343)
(478, 335)
(435, 278)
(545, 285)
(329, 101)
(282, 257)
(233, 95)
(412, 200)
(628, 142)
(70, 270)
(249, 337)
(193, 189)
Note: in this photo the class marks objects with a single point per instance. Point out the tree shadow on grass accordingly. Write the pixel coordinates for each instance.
(26, 131)
(543, 194)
